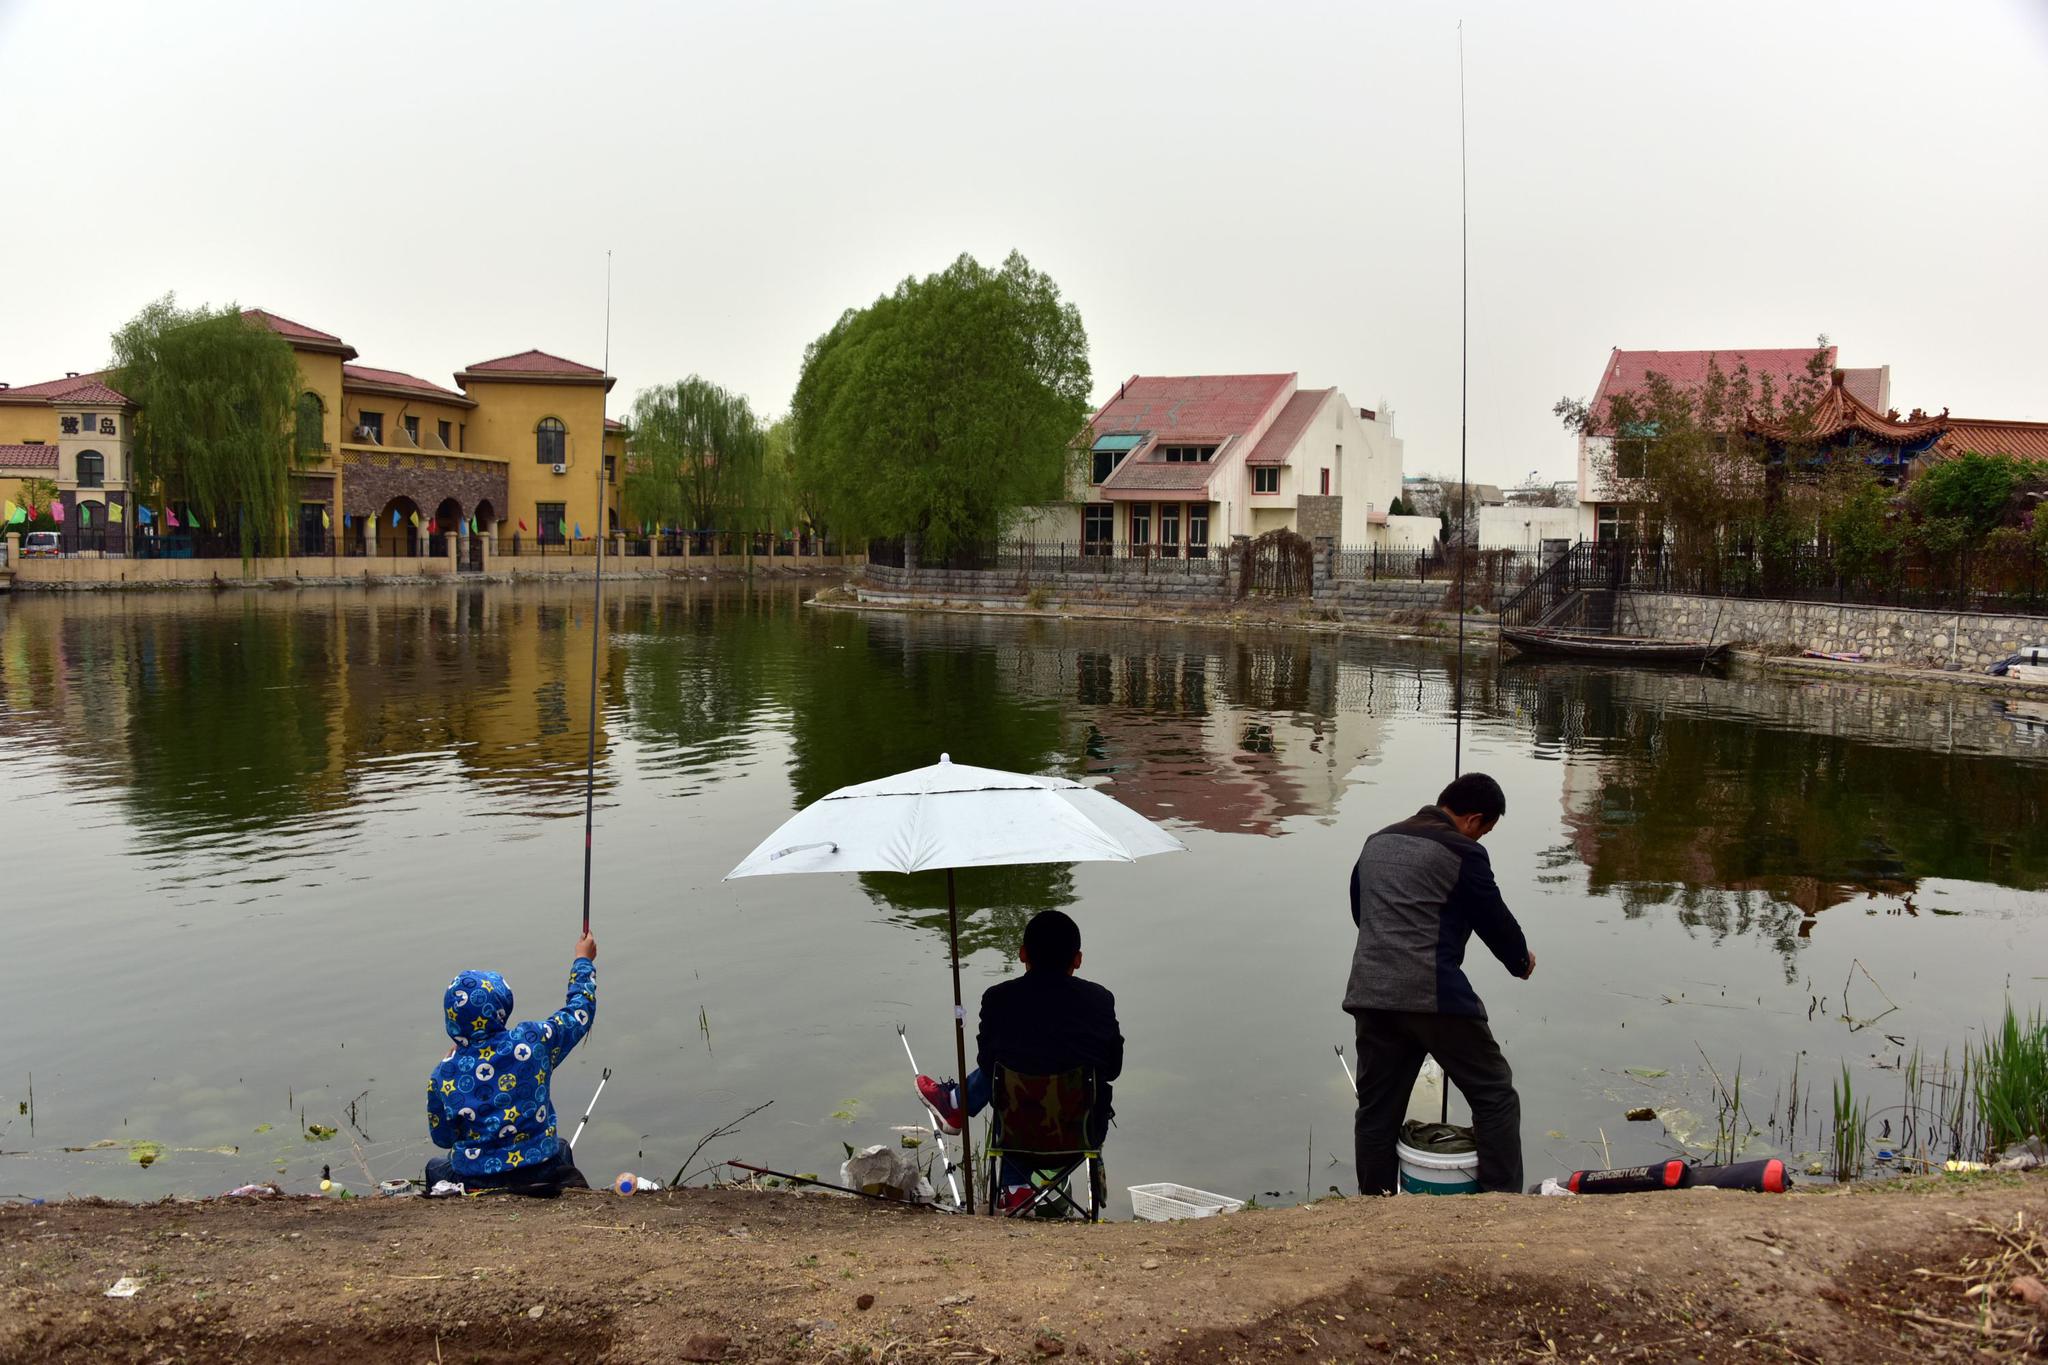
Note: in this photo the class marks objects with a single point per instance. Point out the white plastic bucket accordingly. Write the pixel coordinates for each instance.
(1434, 1173)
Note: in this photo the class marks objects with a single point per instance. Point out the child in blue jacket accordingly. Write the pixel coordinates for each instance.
(488, 1101)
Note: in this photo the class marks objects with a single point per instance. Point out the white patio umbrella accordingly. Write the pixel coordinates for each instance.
(952, 816)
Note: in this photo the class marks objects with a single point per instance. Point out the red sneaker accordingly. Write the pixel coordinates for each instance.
(1016, 1197)
(943, 1099)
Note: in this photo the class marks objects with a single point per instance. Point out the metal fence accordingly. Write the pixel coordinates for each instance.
(1995, 580)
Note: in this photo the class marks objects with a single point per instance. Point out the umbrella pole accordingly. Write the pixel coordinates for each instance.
(960, 1041)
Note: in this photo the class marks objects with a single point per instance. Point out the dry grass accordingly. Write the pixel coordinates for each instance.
(2002, 1303)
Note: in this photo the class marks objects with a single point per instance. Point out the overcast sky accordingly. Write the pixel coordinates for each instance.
(1218, 187)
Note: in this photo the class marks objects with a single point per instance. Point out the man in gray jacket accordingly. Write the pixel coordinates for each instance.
(1420, 890)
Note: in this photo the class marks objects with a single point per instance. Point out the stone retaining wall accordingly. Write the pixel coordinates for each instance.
(1921, 639)
(1125, 583)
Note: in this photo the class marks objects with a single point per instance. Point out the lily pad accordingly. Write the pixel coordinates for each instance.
(144, 1153)
(262, 1127)
(319, 1132)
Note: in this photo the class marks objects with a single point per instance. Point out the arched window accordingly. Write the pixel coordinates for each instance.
(92, 469)
(312, 423)
(551, 441)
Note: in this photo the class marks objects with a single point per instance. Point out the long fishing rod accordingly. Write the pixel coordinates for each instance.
(1464, 372)
(1464, 484)
(597, 606)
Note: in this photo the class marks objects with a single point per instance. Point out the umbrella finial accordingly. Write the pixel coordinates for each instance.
(945, 758)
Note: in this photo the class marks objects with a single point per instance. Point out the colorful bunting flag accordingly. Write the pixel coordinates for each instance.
(85, 513)
(114, 513)
(394, 517)
(171, 517)
(415, 519)
(57, 512)
(579, 530)
(144, 515)
(11, 510)
(326, 522)
(522, 523)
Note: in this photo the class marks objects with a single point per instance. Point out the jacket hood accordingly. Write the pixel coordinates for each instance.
(475, 1006)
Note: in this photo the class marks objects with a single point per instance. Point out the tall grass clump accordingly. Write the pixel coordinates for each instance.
(1852, 1120)
(2011, 1082)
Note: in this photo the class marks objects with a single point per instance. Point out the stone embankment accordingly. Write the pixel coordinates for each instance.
(1900, 636)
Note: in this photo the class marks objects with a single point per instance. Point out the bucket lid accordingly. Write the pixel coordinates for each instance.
(1439, 1139)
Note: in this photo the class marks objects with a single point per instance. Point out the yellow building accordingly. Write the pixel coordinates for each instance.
(398, 463)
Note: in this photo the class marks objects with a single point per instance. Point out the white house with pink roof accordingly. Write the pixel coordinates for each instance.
(1178, 465)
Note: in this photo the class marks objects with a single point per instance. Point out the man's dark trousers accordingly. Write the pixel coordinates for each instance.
(1391, 1046)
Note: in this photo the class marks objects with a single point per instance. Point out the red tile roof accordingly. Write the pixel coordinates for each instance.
(291, 331)
(42, 456)
(398, 379)
(1279, 439)
(533, 362)
(1628, 371)
(535, 366)
(1989, 436)
(1135, 477)
(89, 391)
(1205, 405)
(1841, 411)
(44, 391)
(614, 424)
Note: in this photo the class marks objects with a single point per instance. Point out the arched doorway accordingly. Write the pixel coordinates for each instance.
(447, 522)
(398, 528)
(483, 526)
(88, 527)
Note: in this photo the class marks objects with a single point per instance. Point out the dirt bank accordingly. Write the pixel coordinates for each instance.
(1699, 1276)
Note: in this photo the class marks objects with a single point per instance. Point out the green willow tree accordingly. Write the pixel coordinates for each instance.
(944, 408)
(216, 426)
(698, 459)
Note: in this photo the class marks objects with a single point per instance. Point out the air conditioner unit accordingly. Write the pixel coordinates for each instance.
(561, 469)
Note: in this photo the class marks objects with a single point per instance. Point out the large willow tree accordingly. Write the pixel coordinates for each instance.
(217, 395)
(943, 409)
(698, 459)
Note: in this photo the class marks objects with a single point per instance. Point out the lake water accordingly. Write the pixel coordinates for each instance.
(249, 838)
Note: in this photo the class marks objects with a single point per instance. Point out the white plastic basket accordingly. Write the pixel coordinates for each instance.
(1161, 1202)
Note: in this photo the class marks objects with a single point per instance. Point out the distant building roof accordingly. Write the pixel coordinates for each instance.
(1990, 436)
(300, 335)
(534, 367)
(1629, 371)
(1288, 426)
(39, 456)
(367, 376)
(89, 391)
(614, 424)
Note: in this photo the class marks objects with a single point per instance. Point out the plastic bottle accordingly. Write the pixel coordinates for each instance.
(628, 1183)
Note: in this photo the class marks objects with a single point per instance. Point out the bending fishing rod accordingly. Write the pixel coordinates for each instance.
(597, 612)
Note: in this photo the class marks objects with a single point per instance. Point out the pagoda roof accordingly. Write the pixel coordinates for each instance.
(1840, 412)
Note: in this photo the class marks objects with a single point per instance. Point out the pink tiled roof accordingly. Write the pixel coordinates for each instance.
(1143, 476)
(291, 331)
(1989, 436)
(48, 389)
(1628, 371)
(42, 456)
(398, 379)
(1870, 386)
(1176, 406)
(614, 424)
(1287, 427)
(532, 362)
(88, 391)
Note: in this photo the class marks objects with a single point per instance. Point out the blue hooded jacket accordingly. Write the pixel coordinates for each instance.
(489, 1102)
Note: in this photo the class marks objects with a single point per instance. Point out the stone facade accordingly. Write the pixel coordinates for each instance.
(1918, 639)
(371, 479)
(1319, 516)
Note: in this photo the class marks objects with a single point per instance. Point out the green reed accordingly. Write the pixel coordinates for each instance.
(2011, 1086)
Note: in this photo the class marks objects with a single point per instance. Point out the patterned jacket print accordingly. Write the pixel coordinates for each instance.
(489, 1102)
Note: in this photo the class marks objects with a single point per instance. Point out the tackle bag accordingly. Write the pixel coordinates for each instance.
(1661, 1175)
(1765, 1177)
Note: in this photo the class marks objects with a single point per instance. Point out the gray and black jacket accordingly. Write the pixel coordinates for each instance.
(1419, 891)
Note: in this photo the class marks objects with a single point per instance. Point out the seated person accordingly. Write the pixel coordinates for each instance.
(1039, 1024)
(488, 1099)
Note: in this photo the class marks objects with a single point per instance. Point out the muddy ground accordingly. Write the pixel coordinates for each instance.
(1697, 1275)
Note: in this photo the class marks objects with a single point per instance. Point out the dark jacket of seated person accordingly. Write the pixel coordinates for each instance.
(1049, 1020)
